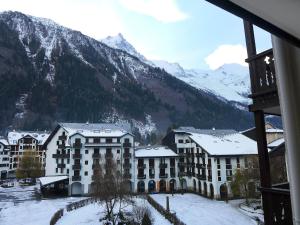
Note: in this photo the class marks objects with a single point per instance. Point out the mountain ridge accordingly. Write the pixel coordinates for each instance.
(52, 73)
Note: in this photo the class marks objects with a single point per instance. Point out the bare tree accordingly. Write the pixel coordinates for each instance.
(244, 180)
(109, 188)
(140, 212)
(30, 165)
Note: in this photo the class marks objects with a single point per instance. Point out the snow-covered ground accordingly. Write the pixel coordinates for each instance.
(194, 210)
(89, 215)
(19, 206)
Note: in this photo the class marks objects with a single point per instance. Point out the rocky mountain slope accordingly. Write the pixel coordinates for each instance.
(50, 73)
(230, 82)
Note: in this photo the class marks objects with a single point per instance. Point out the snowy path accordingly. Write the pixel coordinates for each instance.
(196, 210)
(89, 215)
(18, 206)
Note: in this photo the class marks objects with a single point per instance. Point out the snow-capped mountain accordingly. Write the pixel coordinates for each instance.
(229, 82)
(52, 73)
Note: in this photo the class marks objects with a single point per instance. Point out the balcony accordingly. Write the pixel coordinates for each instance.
(109, 155)
(181, 154)
(201, 177)
(96, 155)
(180, 164)
(62, 146)
(76, 167)
(279, 198)
(61, 165)
(141, 176)
(199, 155)
(127, 145)
(163, 165)
(62, 138)
(163, 175)
(209, 178)
(77, 156)
(77, 145)
(263, 83)
(127, 165)
(181, 174)
(126, 155)
(127, 175)
(141, 166)
(63, 156)
(76, 178)
(151, 176)
(172, 175)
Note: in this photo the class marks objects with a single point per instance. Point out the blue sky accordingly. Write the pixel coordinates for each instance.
(193, 33)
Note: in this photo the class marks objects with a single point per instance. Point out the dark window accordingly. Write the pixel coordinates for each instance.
(86, 162)
(96, 150)
(180, 141)
(118, 151)
(96, 140)
(126, 140)
(108, 140)
(56, 170)
(85, 173)
(86, 151)
(67, 171)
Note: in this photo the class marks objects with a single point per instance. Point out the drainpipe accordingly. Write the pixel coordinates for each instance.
(287, 67)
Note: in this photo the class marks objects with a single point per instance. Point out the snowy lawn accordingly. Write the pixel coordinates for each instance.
(90, 215)
(19, 206)
(196, 210)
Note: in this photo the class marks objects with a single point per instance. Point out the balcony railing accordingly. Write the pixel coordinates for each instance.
(263, 80)
(181, 174)
(141, 166)
(199, 154)
(280, 201)
(163, 175)
(63, 156)
(109, 155)
(126, 144)
(96, 155)
(76, 167)
(62, 165)
(151, 176)
(141, 176)
(77, 156)
(201, 177)
(126, 155)
(77, 145)
(181, 164)
(127, 165)
(76, 178)
(127, 175)
(172, 175)
(163, 165)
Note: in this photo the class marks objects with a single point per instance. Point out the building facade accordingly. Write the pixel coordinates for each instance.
(207, 159)
(4, 158)
(76, 149)
(156, 169)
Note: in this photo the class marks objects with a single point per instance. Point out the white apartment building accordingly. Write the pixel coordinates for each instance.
(156, 169)
(20, 141)
(208, 158)
(4, 158)
(74, 149)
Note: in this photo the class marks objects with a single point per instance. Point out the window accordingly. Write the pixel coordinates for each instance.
(56, 170)
(238, 165)
(108, 140)
(180, 141)
(118, 151)
(86, 162)
(126, 140)
(187, 141)
(96, 140)
(85, 173)
(86, 151)
(219, 175)
(68, 161)
(118, 162)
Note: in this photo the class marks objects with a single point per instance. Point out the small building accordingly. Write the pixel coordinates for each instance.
(156, 168)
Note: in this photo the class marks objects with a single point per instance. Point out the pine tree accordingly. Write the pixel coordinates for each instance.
(146, 220)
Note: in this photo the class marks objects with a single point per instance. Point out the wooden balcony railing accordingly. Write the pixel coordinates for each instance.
(281, 210)
(263, 80)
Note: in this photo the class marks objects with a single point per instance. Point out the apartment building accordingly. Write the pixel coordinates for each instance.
(156, 169)
(74, 150)
(207, 159)
(4, 158)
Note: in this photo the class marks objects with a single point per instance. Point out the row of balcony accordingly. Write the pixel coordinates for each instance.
(152, 176)
(125, 145)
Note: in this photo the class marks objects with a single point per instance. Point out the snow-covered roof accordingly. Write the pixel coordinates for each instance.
(96, 129)
(229, 144)
(14, 136)
(274, 130)
(276, 143)
(51, 179)
(214, 132)
(4, 141)
(154, 151)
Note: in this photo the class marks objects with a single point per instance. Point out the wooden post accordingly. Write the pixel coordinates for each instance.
(264, 166)
(167, 204)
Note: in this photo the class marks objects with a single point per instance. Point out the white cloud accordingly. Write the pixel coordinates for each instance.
(97, 19)
(226, 54)
(162, 10)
